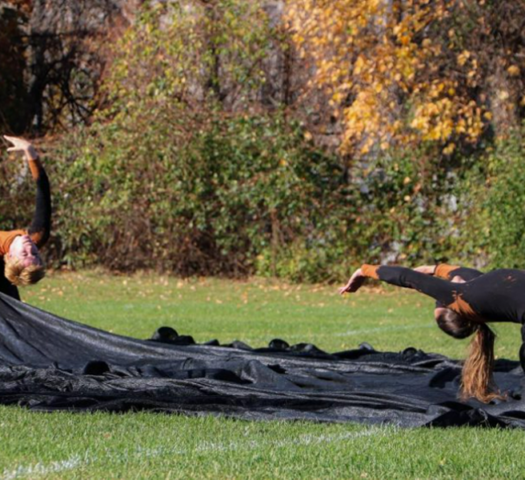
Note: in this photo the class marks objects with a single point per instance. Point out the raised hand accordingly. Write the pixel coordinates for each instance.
(21, 145)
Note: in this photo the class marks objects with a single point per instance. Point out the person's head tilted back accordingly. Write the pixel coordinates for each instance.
(23, 264)
(19, 248)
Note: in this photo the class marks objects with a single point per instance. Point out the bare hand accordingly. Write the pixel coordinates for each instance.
(354, 284)
(21, 145)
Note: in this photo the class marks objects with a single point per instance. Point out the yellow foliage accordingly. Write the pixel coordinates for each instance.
(463, 57)
(449, 149)
(363, 48)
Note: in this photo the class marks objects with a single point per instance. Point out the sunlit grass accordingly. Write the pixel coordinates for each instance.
(146, 445)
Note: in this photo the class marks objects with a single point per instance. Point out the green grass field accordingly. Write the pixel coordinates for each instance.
(142, 445)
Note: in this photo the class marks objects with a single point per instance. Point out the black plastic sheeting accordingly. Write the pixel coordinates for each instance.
(49, 363)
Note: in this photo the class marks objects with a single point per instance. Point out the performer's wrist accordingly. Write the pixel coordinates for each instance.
(31, 154)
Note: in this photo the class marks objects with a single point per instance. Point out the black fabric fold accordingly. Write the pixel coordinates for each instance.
(48, 363)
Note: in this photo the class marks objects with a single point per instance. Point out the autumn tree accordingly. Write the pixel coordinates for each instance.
(197, 54)
(52, 55)
(445, 73)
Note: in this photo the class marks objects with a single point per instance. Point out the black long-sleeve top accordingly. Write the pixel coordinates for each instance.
(39, 228)
(41, 223)
(497, 296)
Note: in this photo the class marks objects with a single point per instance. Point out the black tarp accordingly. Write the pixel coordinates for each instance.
(49, 363)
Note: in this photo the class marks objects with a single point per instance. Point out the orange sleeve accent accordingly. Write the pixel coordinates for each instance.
(370, 271)
(443, 270)
(6, 239)
(35, 166)
(462, 307)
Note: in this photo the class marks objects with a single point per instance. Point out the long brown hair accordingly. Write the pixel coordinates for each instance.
(477, 375)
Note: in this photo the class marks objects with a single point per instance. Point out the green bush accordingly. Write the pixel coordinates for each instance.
(180, 172)
(240, 195)
(499, 204)
(248, 194)
(240, 187)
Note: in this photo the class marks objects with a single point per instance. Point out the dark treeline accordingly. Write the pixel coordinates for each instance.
(228, 137)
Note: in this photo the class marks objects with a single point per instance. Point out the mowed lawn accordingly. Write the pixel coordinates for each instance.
(145, 445)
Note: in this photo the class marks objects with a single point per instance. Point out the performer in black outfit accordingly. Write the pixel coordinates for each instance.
(465, 306)
(20, 261)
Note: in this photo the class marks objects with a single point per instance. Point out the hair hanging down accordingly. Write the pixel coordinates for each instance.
(476, 378)
(20, 275)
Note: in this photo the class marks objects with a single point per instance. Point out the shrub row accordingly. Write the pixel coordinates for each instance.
(250, 194)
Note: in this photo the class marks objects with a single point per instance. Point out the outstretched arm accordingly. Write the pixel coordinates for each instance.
(441, 290)
(41, 224)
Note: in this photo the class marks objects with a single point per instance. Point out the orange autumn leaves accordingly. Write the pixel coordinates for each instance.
(397, 72)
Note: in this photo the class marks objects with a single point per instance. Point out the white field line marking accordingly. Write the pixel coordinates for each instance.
(77, 461)
(349, 333)
(306, 439)
(41, 469)
(392, 328)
